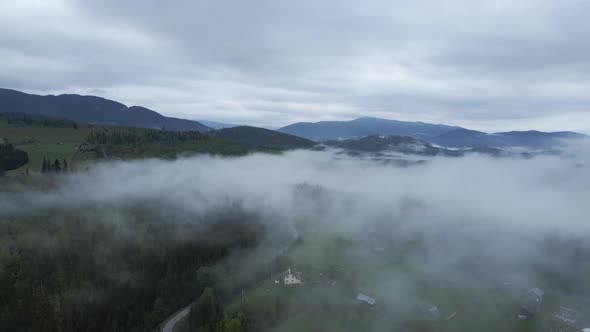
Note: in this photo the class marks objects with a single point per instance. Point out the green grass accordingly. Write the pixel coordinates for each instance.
(62, 141)
(311, 323)
(59, 139)
(41, 141)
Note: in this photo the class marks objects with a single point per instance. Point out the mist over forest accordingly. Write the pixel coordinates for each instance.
(294, 166)
(123, 244)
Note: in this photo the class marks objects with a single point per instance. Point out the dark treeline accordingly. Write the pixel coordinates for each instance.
(120, 142)
(11, 158)
(119, 136)
(54, 167)
(78, 270)
(24, 119)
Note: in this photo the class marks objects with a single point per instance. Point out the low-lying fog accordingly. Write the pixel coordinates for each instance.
(535, 195)
(498, 211)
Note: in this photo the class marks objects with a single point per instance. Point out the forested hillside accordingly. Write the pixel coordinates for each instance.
(261, 139)
(80, 270)
(128, 143)
(47, 140)
(11, 158)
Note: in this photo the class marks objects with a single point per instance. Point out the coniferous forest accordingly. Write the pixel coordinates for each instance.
(85, 270)
(11, 158)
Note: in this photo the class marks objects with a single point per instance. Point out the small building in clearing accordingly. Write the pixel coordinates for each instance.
(292, 278)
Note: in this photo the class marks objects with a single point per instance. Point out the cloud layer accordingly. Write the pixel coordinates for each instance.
(473, 223)
(490, 66)
(533, 195)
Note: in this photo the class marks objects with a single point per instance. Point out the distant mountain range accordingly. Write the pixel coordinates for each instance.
(444, 135)
(217, 125)
(101, 111)
(91, 109)
(532, 138)
(326, 130)
(382, 147)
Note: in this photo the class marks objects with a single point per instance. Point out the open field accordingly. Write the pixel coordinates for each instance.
(43, 141)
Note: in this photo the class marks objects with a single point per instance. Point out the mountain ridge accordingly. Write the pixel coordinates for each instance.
(91, 110)
(102, 111)
(364, 126)
(440, 134)
(530, 138)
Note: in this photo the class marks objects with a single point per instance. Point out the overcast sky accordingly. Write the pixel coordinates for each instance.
(487, 65)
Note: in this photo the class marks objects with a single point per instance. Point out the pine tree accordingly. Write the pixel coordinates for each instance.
(44, 168)
(56, 166)
(205, 311)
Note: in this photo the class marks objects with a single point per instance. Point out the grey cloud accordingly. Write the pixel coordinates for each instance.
(514, 192)
(274, 62)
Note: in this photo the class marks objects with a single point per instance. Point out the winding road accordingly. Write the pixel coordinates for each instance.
(177, 317)
(181, 314)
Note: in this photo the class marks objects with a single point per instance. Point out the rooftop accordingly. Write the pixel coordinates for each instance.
(365, 298)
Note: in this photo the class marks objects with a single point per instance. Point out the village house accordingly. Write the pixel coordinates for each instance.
(292, 278)
(531, 304)
(366, 299)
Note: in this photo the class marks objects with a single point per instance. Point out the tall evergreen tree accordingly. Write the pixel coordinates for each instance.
(44, 168)
(205, 311)
(56, 166)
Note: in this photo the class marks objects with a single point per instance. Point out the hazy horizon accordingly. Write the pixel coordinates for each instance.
(487, 66)
(272, 127)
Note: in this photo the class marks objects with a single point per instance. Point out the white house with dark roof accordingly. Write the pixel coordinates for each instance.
(292, 278)
(365, 298)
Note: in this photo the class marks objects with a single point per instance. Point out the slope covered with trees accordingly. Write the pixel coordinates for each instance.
(127, 143)
(261, 139)
(11, 158)
(78, 270)
(47, 139)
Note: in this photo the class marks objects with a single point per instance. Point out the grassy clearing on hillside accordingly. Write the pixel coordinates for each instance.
(60, 139)
(41, 141)
(404, 293)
